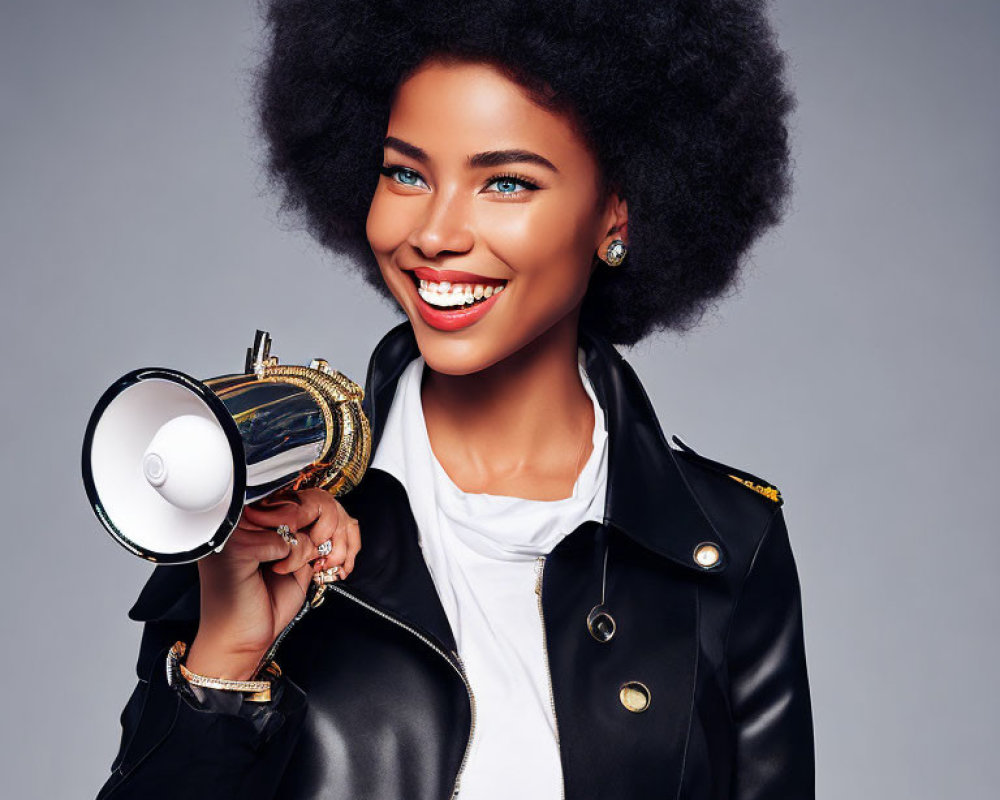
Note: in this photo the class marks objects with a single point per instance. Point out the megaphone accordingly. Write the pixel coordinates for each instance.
(169, 461)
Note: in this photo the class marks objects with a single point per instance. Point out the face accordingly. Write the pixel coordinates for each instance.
(487, 215)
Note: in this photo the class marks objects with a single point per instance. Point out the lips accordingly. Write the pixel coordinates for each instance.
(455, 319)
(454, 276)
(469, 297)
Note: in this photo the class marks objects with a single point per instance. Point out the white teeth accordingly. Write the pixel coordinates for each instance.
(441, 299)
(445, 294)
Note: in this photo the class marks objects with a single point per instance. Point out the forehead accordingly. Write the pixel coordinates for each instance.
(454, 109)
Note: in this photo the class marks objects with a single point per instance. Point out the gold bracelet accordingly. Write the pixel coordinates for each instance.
(260, 691)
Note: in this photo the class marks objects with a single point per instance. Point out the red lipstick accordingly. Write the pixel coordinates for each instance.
(453, 319)
(455, 276)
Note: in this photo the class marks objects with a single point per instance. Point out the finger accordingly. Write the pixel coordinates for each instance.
(246, 524)
(285, 592)
(281, 498)
(328, 530)
(339, 540)
(303, 577)
(290, 515)
(313, 504)
(264, 545)
(297, 510)
(326, 524)
(353, 544)
(298, 555)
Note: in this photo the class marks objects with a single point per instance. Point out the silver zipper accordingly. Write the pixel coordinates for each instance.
(459, 667)
(472, 726)
(540, 572)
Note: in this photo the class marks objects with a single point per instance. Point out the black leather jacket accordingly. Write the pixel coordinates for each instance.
(374, 704)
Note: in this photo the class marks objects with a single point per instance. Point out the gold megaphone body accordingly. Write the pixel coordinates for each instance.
(169, 461)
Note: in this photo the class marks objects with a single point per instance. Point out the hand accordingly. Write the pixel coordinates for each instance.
(253, 588)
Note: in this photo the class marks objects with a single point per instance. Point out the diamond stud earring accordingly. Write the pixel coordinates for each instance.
(616, 253)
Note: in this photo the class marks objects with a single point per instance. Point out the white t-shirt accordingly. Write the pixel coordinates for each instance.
(483, 551)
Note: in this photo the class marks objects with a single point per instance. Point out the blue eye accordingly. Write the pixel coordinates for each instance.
(403, 175)
(511, 184)
(506, 185)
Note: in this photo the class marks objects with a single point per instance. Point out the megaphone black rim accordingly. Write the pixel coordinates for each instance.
(232, 433)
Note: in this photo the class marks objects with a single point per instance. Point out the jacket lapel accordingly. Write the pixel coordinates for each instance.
(391, 574)
(648, 498)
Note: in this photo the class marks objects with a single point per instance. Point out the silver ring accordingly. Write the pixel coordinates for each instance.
(325, 548)
(330, 575)
(285, 532)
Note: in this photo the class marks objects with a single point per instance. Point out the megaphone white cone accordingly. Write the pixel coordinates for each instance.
(190, 463)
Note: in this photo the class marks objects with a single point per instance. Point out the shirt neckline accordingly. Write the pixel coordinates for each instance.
(585, 476)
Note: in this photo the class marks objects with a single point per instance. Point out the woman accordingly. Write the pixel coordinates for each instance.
(551, 600)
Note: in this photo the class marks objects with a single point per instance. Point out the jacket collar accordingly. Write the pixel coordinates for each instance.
(648, 497)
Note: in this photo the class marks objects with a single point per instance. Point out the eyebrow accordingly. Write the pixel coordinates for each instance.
(489, 158)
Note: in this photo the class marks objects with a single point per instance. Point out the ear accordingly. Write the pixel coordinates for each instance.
(616, 222)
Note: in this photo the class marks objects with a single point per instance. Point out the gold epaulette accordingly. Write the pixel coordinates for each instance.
(760, 486)
(770, 492)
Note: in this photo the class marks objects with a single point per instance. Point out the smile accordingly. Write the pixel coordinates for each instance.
(449, 300)
(459, 295)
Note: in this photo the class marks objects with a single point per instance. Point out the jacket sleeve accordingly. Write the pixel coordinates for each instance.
(174, 746)
(769, 685)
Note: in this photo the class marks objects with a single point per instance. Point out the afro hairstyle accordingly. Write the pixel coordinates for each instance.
(683, 103)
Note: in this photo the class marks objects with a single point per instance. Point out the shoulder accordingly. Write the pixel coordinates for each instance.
(169, 608)
(171, 593)
(696, 461)
(740, 505)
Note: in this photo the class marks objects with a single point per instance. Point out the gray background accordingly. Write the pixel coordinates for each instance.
(856, 369)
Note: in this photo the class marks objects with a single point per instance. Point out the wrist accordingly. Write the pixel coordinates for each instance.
(206, 658)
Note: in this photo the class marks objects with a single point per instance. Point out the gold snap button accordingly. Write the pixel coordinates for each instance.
(634, 696)
(707, 555)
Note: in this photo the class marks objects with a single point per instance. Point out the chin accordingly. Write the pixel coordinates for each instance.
(451, 355)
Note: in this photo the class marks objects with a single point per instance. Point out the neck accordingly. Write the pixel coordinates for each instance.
(521, 427)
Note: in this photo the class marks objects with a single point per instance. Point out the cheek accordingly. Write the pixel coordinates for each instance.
(387, 225)
(548, 243)
(387, 229)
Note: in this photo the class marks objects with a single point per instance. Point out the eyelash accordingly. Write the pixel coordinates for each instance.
(389, 170)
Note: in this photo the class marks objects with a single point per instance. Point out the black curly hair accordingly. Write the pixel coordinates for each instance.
(683, 103)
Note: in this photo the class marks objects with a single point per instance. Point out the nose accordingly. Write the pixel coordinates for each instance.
(445, 227)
